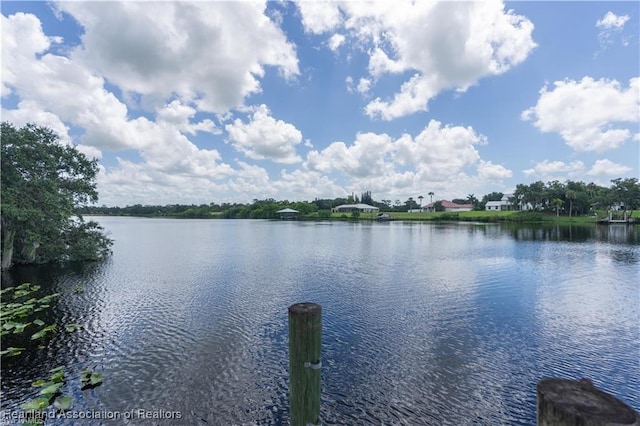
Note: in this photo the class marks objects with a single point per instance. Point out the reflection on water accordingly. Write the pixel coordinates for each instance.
(422, 323)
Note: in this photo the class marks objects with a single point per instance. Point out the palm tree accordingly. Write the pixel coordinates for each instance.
(557, 203)
(420, 198)
(431, 194)
(570, 195)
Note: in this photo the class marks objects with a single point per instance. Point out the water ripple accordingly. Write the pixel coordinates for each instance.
(422, 324)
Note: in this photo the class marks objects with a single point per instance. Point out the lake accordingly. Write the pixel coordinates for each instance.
(423, 323)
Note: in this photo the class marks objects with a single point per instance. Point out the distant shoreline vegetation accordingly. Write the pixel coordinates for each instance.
(570, 202)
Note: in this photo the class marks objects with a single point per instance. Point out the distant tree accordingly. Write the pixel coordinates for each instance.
(471, 199)
(626, 191)
(459, 201)
(366, 198)
(431, 194)
(557, 203)
(437, 206)
(410, 204)
(570, 195)
(420, 197)
(44, 183)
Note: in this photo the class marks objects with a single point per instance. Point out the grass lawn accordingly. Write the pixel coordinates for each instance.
(486, 216)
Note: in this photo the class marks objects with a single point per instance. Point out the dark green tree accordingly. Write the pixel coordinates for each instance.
(44, 183)
(626, 191)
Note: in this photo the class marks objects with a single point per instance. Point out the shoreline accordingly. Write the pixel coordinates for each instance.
(467, 216)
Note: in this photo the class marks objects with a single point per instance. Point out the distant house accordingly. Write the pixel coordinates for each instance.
(362, 208)
(449, 207)
(505, 205)
(288, 214)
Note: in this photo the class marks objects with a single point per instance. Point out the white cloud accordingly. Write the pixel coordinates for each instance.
(611, 20)
(30, 112)
(606, 167)
(447, 45)
(22, 38)
(146, 185)
(548, 170)
(434, 159)
(306, 185)
(335, 41)
(610, 25)
(584, 113)
(264, 137)
(365, 157)
(60, 92)
(439, 152)
(364, 84)
(178, 115)
(319, 16)
(250, 181)
(209, 53)
(488, 170)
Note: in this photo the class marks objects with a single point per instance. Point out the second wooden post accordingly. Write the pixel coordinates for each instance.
(305, 340)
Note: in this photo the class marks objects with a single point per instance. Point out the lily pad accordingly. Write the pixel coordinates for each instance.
(63, 403)
(50, 388)
(11, 351)
(57, 377)
(70, 328)
(35, 404)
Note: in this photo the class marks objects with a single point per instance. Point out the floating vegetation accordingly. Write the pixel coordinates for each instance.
(17, 310)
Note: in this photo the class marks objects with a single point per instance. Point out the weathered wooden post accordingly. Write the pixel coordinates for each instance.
(563, 402)
(305, 340)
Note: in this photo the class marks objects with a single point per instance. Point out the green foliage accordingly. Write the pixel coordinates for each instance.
(627, 191)
(355, 214)
(18, 306)
(437, 206)
(43, 184)
(17, 312)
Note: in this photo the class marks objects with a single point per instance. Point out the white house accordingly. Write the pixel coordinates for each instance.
(363, 208)
(504, 205)
(449, 207)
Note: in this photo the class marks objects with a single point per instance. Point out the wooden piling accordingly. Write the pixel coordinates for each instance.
(305, 340)
(563, 402)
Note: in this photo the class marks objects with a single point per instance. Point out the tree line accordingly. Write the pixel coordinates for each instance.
(569, 198)
(47, 187)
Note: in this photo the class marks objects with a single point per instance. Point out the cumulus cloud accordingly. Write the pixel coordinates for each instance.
(179, 115)
(210, 53)
(606, 167)
(447, 45)
(439, 157)
(588, 114)
(319, 16)
(611, 20)
(146, 185)
(264, 137)
(365, 157)
(488, 170)
(335, 41)
(549, 170)
(59, 92)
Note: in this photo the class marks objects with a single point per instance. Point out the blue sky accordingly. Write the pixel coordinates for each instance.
(231, 101)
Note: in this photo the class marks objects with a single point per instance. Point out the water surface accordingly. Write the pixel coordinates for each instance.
(422, 323)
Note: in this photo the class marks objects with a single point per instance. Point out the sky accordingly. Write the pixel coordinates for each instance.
(212, 102)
